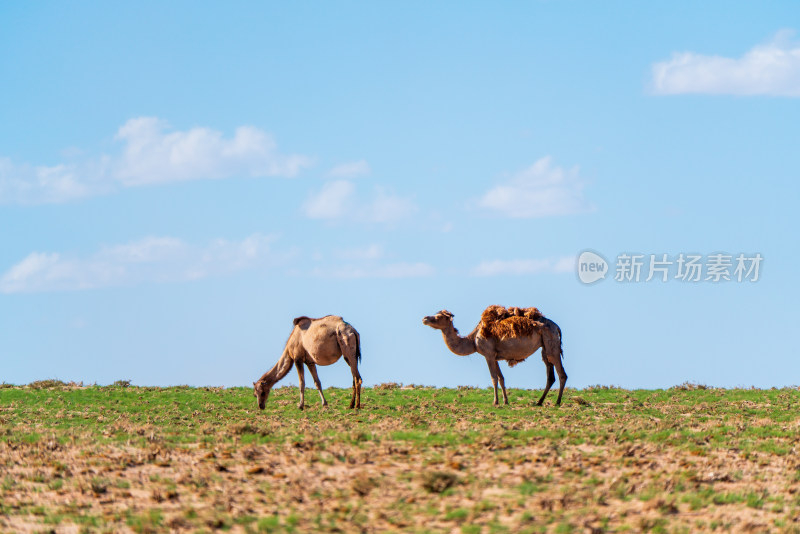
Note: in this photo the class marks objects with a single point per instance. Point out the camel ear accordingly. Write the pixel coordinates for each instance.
(254, 383)
(301, 320)
(447, 313)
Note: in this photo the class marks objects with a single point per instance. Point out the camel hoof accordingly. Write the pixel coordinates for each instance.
(539, 403)
(300, 406)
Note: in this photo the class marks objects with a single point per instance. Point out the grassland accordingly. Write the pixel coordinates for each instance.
(415, 459)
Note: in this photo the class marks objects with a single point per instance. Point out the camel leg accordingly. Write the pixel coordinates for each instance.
(562, 381)
(353, 395)
(356, 385)
(493, 369)
(313, 368)
(552, 355)
(551, 379)
(355, 398)
(349, 345)
(302, 379)
(502, 382)
(358, 375)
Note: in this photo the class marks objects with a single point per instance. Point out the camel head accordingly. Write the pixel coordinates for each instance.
(261, 391)
(440, 321)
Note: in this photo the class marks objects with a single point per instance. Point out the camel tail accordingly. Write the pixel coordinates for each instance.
(560, 342)
(358, 347)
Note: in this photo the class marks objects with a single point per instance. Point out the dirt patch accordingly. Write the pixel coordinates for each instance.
(138, 460)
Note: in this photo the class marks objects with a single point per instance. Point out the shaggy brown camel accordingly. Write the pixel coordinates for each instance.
(315, 342)
(523, 338)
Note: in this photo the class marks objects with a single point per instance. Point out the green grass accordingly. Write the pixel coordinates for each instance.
(445, 455)
(181, 415)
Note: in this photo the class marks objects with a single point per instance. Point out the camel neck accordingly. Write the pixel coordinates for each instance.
(278, 371)
(461, 346)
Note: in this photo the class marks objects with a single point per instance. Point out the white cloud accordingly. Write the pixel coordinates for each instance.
(37, 265)
(386, 207)
(369, 261)
(525, 266)
(151, 153)
(565, 264)
(541, 190)
(389, 270)
(772, 68)
(339, 199)
(332, 202)
(152, 259)
(27, 184)
(351, 169)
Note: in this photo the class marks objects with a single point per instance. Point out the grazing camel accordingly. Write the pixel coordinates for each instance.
(511, 335)
(315, 342)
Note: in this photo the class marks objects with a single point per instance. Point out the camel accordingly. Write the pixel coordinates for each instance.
(513, 340)
(315, 342)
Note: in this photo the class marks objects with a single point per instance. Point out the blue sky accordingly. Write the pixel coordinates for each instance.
(179, 181)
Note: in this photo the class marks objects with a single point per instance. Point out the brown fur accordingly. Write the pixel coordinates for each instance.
(505, 323)
(514, 363)
(545, 334)
(315, 342)
(305, 319)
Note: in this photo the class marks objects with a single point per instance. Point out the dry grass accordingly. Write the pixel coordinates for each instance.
(424, 459)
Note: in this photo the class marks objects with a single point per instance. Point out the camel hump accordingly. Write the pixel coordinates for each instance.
(504, 323)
